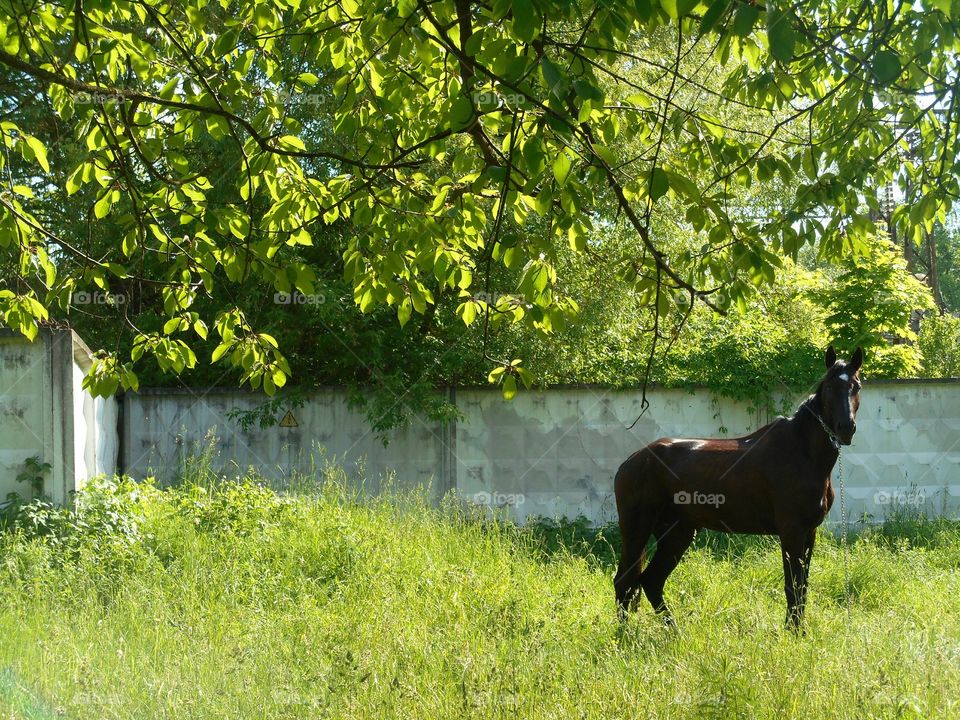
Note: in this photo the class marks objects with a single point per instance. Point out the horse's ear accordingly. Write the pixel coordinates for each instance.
(830, 358)
(856, 360)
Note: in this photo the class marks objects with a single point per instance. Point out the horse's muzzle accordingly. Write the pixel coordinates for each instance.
(845, 433)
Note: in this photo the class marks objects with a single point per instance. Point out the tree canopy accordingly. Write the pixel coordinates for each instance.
(159, 154)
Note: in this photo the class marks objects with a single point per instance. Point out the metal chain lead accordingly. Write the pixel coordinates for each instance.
(843, 515)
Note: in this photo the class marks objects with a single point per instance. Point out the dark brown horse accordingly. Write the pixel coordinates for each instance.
(775, 481)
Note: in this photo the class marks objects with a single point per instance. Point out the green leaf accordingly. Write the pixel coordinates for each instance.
(526, 21)
(588, 91)
(540, 278)
(561, 167)
(525, 375)
(473, 46)
(677, 9)
(513, 257)
(745, 19)
(468, 312)
(218, 127)
(166, 92)
(605, 154)
(639, 100)
(586, 107)
(39, 152)
(117, 269)
(461, 113)
(220, 351)
(292, 142)
(684, 185)
(886, 67)
(712, 125)
(75, 180)
(534, 155)
(663, 304)
(404, 311)
(577, 237)
(509, 387)
(659, 184)
(712, 16)
(102, 207)
(781, 35)
(552, 76)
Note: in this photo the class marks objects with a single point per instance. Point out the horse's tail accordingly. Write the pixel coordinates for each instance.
(637, 503)
(627, 490)
(635, 529)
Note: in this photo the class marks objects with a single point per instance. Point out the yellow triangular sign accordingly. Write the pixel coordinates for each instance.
(289, 420)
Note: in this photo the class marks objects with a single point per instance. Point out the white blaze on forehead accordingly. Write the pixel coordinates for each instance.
(844, 376)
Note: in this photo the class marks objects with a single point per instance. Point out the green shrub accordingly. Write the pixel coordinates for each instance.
(108, 512)
(940, 345)
(870, 304)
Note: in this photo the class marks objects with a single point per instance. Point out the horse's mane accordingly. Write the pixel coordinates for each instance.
(809, 403)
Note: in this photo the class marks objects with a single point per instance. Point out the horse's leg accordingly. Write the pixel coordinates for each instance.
(636, 525)
(674, 536)
(796, 547)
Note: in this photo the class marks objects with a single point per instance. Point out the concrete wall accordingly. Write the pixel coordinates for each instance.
(552, 453)
(163, 429)
(45, 414)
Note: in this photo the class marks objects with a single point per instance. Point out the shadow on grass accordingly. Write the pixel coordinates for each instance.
(600, 545)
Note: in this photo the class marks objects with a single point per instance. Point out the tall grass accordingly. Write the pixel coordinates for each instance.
(229, 600)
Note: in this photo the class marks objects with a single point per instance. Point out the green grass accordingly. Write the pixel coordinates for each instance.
(232, 601)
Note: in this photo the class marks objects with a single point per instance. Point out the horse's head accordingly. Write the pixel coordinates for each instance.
(839, 394)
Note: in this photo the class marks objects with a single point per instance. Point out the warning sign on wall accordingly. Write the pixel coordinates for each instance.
(289, 420)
